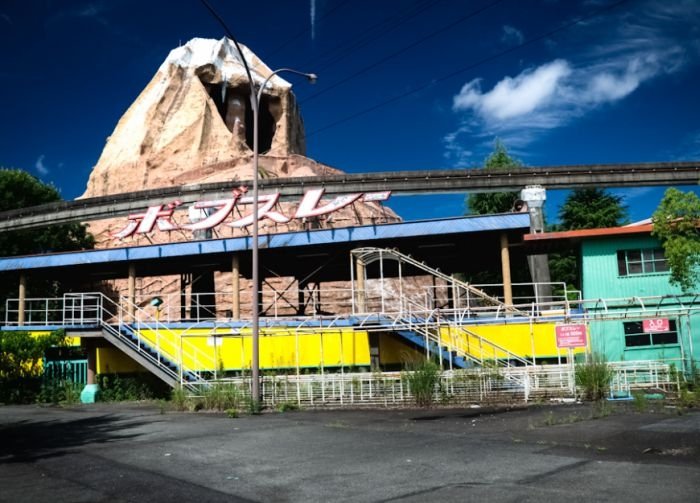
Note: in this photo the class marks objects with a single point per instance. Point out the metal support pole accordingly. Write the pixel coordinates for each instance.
(132, 293)
(91, 349)
(22, 298)
(361, 294)
(236, 287)
(505, 268)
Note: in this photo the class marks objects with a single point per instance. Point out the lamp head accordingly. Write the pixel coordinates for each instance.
(312, 78)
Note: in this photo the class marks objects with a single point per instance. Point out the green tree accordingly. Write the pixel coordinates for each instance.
(20, 363)
(591, 209)
(494, 202)
(19, 189)
(676, 226)
(583, 209)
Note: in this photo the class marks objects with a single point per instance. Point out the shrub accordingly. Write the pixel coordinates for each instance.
(594, 377)
(641, 403)
(178, 397)
(422, 378)
(287, 407)
(129, 387)
(220, 396)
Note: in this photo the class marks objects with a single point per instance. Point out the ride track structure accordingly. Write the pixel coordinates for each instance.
(399, 183)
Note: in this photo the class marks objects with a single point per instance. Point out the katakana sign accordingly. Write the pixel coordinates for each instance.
(209, 214)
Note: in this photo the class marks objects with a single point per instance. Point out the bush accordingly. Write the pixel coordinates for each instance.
(21, 368)
(594, 377)
(221, 397)
(129, 387)
(288, 407)
(422, 378)
(178, 397)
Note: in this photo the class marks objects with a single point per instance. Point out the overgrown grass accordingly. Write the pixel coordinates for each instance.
(60, 392)
(594, 377)
(288, 407)
(221, 397)
(423, 378)
(130, 387)
(641, 403)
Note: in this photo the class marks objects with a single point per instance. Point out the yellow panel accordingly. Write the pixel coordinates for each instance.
(278, 348)
(522, 339)
(393, 351)
(112, 360)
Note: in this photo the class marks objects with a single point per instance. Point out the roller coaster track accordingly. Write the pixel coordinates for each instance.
(399, 183)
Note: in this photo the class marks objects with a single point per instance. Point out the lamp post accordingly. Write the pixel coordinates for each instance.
(254, 102)
(255, 314)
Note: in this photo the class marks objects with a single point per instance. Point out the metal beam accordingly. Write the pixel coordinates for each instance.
(399, 182)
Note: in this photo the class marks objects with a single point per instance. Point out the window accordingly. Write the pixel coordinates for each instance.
(644, 261)
(635, 336)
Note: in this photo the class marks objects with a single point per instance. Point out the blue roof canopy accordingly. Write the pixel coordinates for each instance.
(278, 250)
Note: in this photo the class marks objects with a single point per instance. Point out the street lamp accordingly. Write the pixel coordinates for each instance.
(255, 103)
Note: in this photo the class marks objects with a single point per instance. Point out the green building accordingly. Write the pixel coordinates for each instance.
(634, 313)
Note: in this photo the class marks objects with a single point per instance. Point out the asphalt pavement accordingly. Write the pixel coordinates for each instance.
(135, 452)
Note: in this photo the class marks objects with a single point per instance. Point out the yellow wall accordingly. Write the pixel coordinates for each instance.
(522, 339)
(278, 348)
(333, 347)
(113, 361)
(393, 351)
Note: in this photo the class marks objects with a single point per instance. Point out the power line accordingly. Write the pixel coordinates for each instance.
(433, 34)
(471, 66)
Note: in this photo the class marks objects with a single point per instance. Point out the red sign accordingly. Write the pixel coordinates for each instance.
(656, 325)
(571, 336)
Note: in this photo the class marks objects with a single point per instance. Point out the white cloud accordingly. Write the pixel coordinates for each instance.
(512, 36)
(40, 166)
(636, 47)
(513, 97)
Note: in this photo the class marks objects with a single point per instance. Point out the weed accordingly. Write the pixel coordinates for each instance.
(594, 377)
(602, 409)
(687, 399)
(549, 419)
(422, 378)
(253, 406)
(220, 396)
(178, 397)
(232, 413)
(287, 407)
(641, 403)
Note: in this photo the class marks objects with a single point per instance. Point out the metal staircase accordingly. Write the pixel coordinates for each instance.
(462, 290)
(165, 357)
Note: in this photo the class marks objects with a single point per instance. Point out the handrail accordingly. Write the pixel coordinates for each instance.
(401, 257)
(160, 326)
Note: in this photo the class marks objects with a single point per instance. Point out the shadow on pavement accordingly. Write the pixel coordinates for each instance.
(27, 441)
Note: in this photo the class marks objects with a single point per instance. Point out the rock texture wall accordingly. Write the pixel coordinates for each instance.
(193, 124)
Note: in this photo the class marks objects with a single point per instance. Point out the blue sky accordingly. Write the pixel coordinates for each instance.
(403, 85)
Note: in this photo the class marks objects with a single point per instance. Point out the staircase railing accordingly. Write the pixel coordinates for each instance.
(430, 325)
(169, 353)
(454, 282)
(166, 342)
